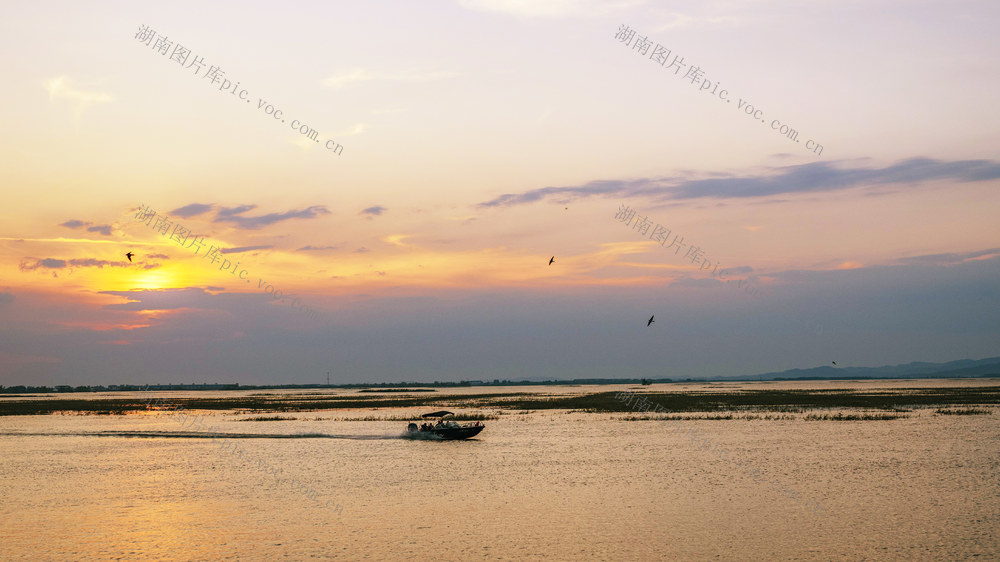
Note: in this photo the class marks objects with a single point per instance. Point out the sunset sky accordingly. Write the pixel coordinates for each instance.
(478, 139)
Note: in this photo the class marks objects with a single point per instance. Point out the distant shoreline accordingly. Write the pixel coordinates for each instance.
(416, 386)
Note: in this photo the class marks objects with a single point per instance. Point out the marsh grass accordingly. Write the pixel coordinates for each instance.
(397, 390)
(964, 411)
(267, 418)
(655, 417)
(415, 417)
(840, 416)
(719, 403)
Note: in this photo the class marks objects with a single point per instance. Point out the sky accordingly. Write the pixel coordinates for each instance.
(375, 189)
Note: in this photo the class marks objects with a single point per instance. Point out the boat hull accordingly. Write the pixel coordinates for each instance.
(447, 433)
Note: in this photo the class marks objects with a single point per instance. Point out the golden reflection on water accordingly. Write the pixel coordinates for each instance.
(548, 484)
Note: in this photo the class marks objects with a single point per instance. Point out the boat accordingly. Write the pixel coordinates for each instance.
(444, 428)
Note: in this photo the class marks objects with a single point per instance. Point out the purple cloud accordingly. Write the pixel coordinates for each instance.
(233, 215)
(244, 249)
(804, 178)
(192, 210)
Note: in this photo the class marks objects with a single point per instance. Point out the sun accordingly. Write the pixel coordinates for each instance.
(155, 279)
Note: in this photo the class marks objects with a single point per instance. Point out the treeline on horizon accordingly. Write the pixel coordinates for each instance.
(21, 389)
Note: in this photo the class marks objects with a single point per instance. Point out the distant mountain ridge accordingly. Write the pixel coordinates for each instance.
(917, 369)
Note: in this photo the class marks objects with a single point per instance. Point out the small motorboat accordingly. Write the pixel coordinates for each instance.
(444, 428)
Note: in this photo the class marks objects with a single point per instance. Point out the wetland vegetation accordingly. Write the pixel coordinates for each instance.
(777, 404)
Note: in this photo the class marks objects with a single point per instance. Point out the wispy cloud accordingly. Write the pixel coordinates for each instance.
(357, 130)
(952, 258)
(192, 210)
(804, 178)
(397, 239)
(54, 263)
(104, 229)
(237, 216)
(242, 249)
(234, 215)
(316, 248)
(62, 88)
(376, 210)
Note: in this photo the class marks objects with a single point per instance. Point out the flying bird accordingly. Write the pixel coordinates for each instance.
(650, 321)
(834, 362)
(129, 256)
(552, 259)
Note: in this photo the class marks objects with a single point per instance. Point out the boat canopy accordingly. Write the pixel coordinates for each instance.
(438, 414)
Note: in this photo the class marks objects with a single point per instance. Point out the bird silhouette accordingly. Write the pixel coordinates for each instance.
(552, 259)
(129, 256)
(650, 321)
(834, 362)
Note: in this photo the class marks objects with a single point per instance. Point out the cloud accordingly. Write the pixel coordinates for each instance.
(804, 178)
(359, 76)
(244, 249)
(362, 250)
(397, 239)
(53, 263)
(357, 130)
(316, 248)
(192, 210)
(159, 256)
(376, 210)
(696, 282)
(6, 298)
(235, 215)
(951, 258)
(49, 263)
(91, 262)
(550, 8)
(104, 229)
(164, 299)
(232, 215)
(62, 88)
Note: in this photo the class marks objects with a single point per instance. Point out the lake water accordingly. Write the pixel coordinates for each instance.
(542, 485)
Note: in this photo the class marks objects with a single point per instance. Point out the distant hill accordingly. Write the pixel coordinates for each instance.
(916, 370)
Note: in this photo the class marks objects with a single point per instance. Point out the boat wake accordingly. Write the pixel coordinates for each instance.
(200, 435)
